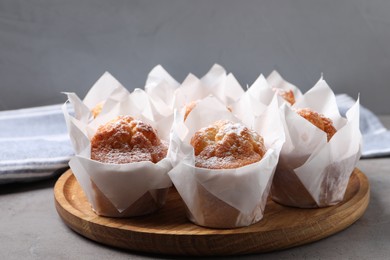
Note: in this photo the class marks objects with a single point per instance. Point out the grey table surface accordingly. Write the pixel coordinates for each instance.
(30, 227)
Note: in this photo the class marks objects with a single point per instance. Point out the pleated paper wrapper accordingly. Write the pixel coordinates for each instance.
(116, 190)
(167, 94)
(312, 172)
(275, 80)
(259, 95)
(225, 198)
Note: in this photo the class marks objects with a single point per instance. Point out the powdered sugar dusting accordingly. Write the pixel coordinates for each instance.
(126, 140)
(225, 145)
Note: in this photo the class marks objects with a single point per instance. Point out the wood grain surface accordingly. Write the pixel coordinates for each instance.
(169, 232)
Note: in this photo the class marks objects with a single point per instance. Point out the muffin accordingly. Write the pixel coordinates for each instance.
(288, 188)
(220, 146)
(319, 120)
(127, 140)
(227, 145)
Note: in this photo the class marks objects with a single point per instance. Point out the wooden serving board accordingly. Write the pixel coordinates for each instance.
(169, 232)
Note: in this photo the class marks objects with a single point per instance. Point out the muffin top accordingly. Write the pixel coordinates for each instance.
(227, 145)
(319, 120)
(125, 140)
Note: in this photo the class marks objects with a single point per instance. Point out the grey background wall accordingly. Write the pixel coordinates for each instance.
(49, 46)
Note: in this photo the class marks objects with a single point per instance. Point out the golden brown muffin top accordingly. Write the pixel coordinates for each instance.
(126, 140)
(319, 120)
(227, 145)
(288, 95)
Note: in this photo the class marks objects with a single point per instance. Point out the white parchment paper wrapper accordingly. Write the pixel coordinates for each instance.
(168, 95)
(259, 95)
(254, 101)
(311, 171)
(161, 87)
(117, 190)
(275, 80)
(105, 88)
(231, 197)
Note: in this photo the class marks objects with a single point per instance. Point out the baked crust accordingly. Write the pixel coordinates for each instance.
(127, 140)
(227, 145)
(322, 122)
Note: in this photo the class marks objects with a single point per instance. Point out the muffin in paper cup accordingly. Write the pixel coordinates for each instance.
(224, 198)
(117, 190)
(313, 172)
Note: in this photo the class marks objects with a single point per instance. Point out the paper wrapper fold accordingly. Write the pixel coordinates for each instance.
(225, 198)
(126, 190)
(275, 80)
(117, 190)
(311, 171)
(106, 88)
(167, 95)
(260, 94)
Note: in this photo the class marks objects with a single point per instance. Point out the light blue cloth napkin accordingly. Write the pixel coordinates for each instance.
(376, 138)
(34, 142)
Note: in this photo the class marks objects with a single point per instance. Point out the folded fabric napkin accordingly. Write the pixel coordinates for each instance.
(376, 138)
(34, 142)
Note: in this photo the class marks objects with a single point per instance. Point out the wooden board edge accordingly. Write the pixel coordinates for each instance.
(73, 219)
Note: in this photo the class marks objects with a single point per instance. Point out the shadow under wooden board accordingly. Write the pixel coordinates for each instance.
(169, 232)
